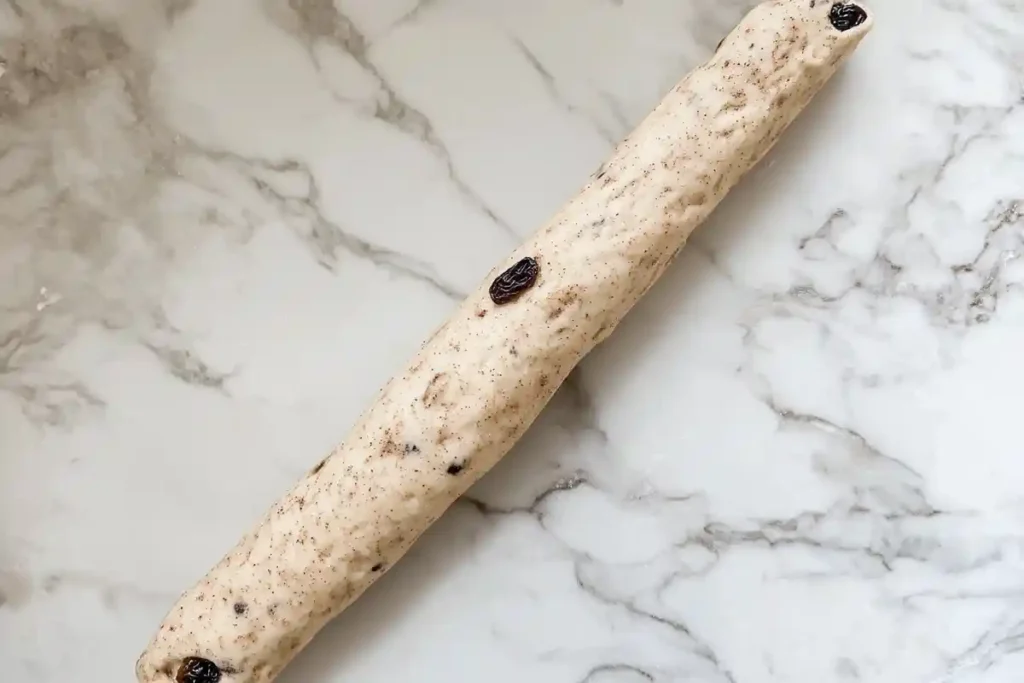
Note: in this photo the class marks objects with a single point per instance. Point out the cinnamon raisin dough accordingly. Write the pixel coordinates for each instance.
(478, 383)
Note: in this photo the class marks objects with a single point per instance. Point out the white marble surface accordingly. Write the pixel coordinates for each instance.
(224, 223)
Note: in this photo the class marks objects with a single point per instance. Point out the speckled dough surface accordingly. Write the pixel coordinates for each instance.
(483, 377)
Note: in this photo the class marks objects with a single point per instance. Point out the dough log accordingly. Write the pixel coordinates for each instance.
(478, 383)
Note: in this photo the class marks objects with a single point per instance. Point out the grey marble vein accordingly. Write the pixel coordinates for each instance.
(691, 644)
(412, 14)
(46, 394)
(551, 86)
(581, 561)
(187, 366)
(907, 498)
(617, 673)
(323, 20)
(969, 293)
(1005, 638)
(55, 77)
(323, 236)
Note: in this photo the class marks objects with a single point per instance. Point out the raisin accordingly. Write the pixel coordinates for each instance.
(514, 281)
(377, 567)
(241, 608)
(845, 16)
(454, 468)
(197, 670)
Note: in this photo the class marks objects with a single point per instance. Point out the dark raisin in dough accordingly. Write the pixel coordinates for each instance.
(454, 468)
(845, 16)
(514, 281)
(197, 670)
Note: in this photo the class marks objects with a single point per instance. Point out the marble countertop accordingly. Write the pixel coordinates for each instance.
(225, 223)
